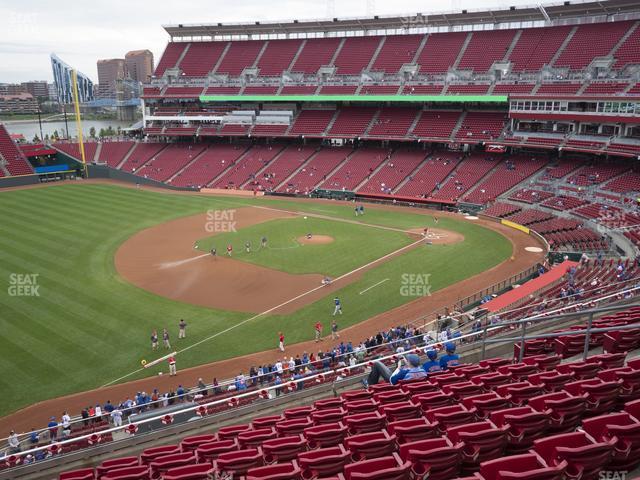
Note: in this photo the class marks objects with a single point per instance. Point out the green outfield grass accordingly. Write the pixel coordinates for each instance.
(88, 326)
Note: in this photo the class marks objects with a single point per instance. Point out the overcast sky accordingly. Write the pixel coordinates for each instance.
(81, 32)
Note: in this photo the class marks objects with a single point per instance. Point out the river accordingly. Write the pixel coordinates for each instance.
(31, 128)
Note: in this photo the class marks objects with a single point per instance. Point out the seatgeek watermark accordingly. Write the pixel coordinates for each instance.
(612, 475)
(220, 221)
(415, 285)
(23, 285)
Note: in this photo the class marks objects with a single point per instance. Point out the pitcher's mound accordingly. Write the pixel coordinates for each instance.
(437, 236)
(315, 240)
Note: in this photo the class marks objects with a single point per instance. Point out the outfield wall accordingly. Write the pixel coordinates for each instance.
(101, 171)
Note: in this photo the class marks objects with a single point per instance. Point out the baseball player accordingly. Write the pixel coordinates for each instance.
(281, 342)
(154, 340)
(435, 220)
(247, 247)
(165, 339)
(357, 210)
(182, 329)
(263, 242)
(318, 329)
(229, 250)
(334, 330)
(214, 252)
(338, 306)
(172, 366)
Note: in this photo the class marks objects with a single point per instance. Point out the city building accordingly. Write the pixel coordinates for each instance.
(37, 88)
(109, 70)
(139, 65)
(63, 82)
(18, 103)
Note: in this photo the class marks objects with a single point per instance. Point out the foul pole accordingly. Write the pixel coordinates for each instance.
(76, 106)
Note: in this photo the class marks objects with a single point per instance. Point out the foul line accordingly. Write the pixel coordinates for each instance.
(369, 288)
(226, 330)
(181, 262)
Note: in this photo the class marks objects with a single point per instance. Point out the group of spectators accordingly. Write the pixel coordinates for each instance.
(294, 369)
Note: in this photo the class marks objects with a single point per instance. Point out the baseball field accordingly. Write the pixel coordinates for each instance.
(89, 270)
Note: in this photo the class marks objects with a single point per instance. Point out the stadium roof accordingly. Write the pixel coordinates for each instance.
(554, 12)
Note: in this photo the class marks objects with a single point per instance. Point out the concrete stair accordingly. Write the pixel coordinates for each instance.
(183, 54)
(338, 167)
(260, 171)
(412, 173)
(222, 55)
(375, 54)
(563, 46)
(454, 132)
(187, 165)
(462, 50)
(231, 165)
(295, 172)
(127, 155)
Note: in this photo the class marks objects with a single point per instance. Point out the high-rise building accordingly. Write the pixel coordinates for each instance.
(64, 85)
(139, 65)
(37, 88)
(109, 70)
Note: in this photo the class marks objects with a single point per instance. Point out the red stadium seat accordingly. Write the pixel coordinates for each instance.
(283, 449)
(298, 412)
(481, 441)
(565, 410)
(394, 396)
(294, 426)
(160, 465)
(239, 461)
(485, 403)
(323, 462)
(199, 471)
(581, 370)
(625, 429)
(265, 422)
(450, 416)
(471, 371)
(461, 390)
(328, 435)
(491, 381)
(139, 472)
(621, 341)
(633, 408)
(543, 362)
(189, 444)
(361, 405)
(121, 462)
(519, 393)
(431, 400)
(518, 371)
(609, 360)
(365, 422)
(629, 380)
(254, 438)
(328, 403)
(327, 415)
(528, 466)
(444, 379)
(416, 388)
(402, 410)
(494, 363)
(601, 396)
(370, 445)
(434, 458)
(281, 471)
(551, 381)
(585, 456)
(523, 424)
(82, 474)
(385, 468)
(232, 431)
(412, 430)
(569, 345)
(208, 452)
(150, 454)
(356, 395)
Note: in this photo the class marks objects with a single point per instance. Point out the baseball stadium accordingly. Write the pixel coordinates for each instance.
(389, 247)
